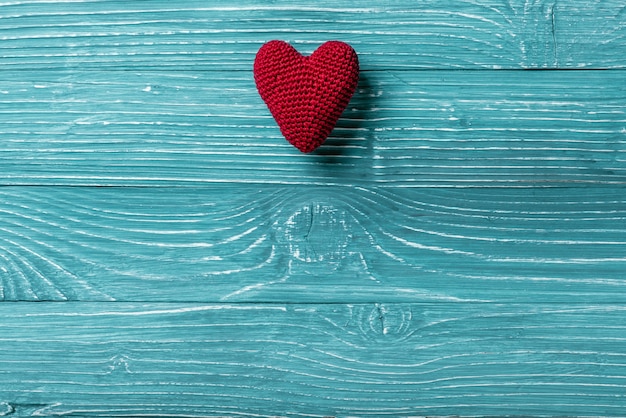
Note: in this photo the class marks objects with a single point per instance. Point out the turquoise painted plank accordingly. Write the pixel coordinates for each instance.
(239, 243)
(211, 35)
(402, 129)
(457, 248)
(376, 360)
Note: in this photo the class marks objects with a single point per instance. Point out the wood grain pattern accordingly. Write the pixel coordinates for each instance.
(306, 244)
(312, 360)
(457, 248)
(406, 129)
(316, 360)
(201, 36)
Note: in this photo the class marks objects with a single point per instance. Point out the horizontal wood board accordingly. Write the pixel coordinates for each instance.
(402, 129)
(241, 243)
(443, 359)
(215, 36)
(456, 248)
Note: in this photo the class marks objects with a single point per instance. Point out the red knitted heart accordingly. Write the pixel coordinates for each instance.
(306, 95)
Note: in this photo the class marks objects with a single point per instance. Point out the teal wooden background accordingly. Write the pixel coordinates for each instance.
(457, 247)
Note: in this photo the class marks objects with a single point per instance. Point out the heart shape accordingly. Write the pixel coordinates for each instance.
(306, 95)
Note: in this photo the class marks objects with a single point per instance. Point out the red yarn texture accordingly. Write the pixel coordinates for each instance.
(306, 95)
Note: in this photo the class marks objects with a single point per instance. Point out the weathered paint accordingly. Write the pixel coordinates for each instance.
(443, 359)
(456, 248)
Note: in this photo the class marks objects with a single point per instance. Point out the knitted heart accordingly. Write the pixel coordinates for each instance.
(306, 95)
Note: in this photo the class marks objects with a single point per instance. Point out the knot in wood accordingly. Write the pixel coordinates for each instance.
(387, 321)
(318, 232)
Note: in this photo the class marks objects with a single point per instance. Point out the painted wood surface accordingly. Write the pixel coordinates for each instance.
(405, 129)
(305, 244)
(209, 35)
(441, 359)
(457, 248)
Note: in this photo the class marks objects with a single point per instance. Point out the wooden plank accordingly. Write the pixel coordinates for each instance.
(607, 22)
(406, 129)
(199, 35)
(439, 359)
(309, 244)
(457, 248)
